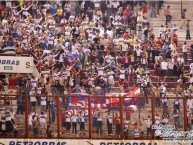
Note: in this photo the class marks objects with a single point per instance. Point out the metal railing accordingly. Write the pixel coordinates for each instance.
(125, 115)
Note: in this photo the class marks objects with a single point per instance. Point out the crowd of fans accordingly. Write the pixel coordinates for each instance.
(90, 47)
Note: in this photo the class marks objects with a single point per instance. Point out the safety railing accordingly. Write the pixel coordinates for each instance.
(83, 116)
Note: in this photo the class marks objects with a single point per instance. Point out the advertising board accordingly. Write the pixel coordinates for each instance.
(86, 142)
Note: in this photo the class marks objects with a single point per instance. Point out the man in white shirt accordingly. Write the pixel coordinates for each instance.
(74, 123)
(161, 31)
(109, 124)
(43, 123)
(148, 125)
(110, 75)
(115, 6)
(100, 69)
(138, 53)
(164, 68)
(33, 99)
(180, 59)
(170, 69)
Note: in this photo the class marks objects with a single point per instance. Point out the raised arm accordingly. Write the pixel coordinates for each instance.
(28, 7)
(15, 7)
(95, 65)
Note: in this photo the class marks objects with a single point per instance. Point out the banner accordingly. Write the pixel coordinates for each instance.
(85, 142)
(81, 100)
(96, 102)
(15, 64)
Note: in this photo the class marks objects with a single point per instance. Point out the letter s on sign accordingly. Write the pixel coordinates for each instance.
(27, 64)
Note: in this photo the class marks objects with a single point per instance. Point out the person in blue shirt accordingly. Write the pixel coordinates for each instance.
(10, 42)
(53, 110)
(44, 45)
(165, 48)
(53, 9)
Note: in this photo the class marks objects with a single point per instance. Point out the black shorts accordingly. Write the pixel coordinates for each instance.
(33, 104)
(82, 127)
(68, 125)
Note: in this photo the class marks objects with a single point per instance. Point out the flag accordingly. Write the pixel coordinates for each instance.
(78, 100)
(99, 102)
(113, 102)
(135, 92)
(72, 56)
(72, 111)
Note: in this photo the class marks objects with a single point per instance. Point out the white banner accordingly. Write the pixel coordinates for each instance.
(15, 64)
(87, 142)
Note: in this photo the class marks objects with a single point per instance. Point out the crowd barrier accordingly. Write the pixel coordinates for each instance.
(125, 114)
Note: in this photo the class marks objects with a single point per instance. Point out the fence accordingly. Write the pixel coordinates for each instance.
(91, 117)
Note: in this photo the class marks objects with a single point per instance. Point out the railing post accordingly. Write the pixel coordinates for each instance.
(153, 115)
(58, 116)
(121, 115)
(90, 117)
(26, 115)
(185, 114)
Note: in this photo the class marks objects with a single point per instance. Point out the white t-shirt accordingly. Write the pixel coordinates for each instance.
(110, 74)
(51, 40)
(100, 71)
(110, 119)
(170, 65)
(191, 66)
(97, 4)
(115, 4)
(33, 99)
(190, 103)
(109, 33)
(30, 119)
(34, 82)
(68, 118)
(74, 118)
(122, 74)
(180, 60)
(43, 100)
(139, 52)
(184, 48)
(43, 118)
(164, 65)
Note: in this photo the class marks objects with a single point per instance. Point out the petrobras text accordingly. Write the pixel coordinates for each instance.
(36, 143)
(85, 142)
(64, 143)
(127, 143)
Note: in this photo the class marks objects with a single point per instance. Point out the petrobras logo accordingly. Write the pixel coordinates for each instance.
(126, 143)
(81, 142)
(36, 143)
(9, 62)
(65, 143)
